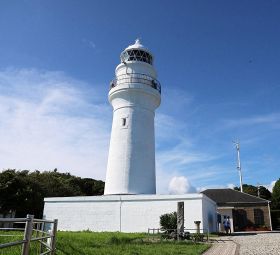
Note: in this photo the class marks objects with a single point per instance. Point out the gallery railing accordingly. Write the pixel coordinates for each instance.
(136, 78)
(35, 230)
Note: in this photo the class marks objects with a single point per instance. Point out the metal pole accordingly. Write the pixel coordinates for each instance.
(27, 234)
(239, 165)
(53, 238)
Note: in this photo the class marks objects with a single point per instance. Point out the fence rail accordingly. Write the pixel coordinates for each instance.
(43, 231)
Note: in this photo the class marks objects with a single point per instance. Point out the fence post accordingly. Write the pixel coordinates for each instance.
(27, 234)
(42, 229)
(53, 238)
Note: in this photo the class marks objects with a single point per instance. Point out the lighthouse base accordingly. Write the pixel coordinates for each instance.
(128, 213)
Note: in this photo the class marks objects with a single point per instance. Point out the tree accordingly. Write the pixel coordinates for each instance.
(24, 191)
(276, 195)
(253, 190)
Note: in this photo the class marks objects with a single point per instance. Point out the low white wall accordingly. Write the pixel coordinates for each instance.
(209, 212)
(129, 213)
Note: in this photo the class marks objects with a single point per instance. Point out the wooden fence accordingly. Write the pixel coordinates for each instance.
(35, 230)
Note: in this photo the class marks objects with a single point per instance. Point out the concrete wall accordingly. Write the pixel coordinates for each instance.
(250, 215)
(130, 213)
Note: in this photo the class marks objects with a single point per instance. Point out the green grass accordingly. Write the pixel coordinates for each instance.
(15, 250)
(113, 243)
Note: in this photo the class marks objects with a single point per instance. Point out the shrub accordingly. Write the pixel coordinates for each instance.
(168, 221)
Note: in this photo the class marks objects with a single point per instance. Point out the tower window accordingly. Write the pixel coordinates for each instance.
(123, 122)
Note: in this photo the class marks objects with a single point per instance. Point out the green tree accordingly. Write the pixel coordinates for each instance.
(24, 191)
(276, 195)
(253, 190)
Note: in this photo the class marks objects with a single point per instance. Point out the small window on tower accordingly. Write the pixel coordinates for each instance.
(123, 122)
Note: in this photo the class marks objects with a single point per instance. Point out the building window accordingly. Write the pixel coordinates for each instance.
(259, 217)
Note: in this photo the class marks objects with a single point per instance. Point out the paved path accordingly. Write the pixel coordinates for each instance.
(246, 244)
(259, 244)
(222, 246)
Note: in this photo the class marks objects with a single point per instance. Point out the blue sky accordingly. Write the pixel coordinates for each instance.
(218, 63)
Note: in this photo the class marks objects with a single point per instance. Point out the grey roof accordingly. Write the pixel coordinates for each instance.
(230, 197)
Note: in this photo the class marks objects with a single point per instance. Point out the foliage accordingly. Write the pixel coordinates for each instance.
(276, 195)
(197, 237)
(168, 221)
(275, 219)
(24, 191)
(253, 190)
(89, 243)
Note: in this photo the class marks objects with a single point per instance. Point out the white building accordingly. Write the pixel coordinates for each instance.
(128, 213)
(129, 203)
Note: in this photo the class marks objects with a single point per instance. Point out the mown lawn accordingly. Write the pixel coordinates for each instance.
(89, 243)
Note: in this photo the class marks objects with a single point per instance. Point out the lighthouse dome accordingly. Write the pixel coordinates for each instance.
(137, 52)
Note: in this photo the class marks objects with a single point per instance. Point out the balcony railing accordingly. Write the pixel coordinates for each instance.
(136, 78)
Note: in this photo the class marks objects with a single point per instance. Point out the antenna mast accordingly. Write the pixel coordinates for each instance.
(237, 145)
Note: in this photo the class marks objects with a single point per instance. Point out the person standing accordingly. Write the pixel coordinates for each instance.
(227, 226)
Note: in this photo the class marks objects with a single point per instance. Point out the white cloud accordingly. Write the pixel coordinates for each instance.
(49, 120)
(90, 43)
(231, 186)
(272, 118)
(270, 186)
(180, 185)
(227, 186)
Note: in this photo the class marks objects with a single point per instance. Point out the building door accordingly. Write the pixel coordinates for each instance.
(239, 219)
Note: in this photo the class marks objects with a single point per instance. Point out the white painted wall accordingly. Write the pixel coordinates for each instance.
(209, 210)
(130, 213)
(131, 160)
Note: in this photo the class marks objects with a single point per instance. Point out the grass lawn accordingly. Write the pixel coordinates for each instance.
(106, 243)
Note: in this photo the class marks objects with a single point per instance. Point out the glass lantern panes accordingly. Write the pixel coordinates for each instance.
(137, 55)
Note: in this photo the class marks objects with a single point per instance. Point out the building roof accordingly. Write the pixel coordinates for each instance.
(230, 197)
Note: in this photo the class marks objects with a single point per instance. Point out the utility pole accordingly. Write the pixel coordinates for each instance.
(237, 145)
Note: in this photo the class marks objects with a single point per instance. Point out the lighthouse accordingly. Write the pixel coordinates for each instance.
(134, 95)
(130, 203)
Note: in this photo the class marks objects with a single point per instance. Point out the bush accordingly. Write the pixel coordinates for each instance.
(168, 222)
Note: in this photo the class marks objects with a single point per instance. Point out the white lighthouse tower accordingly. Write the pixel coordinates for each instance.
(130, 203)
(134, 96)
